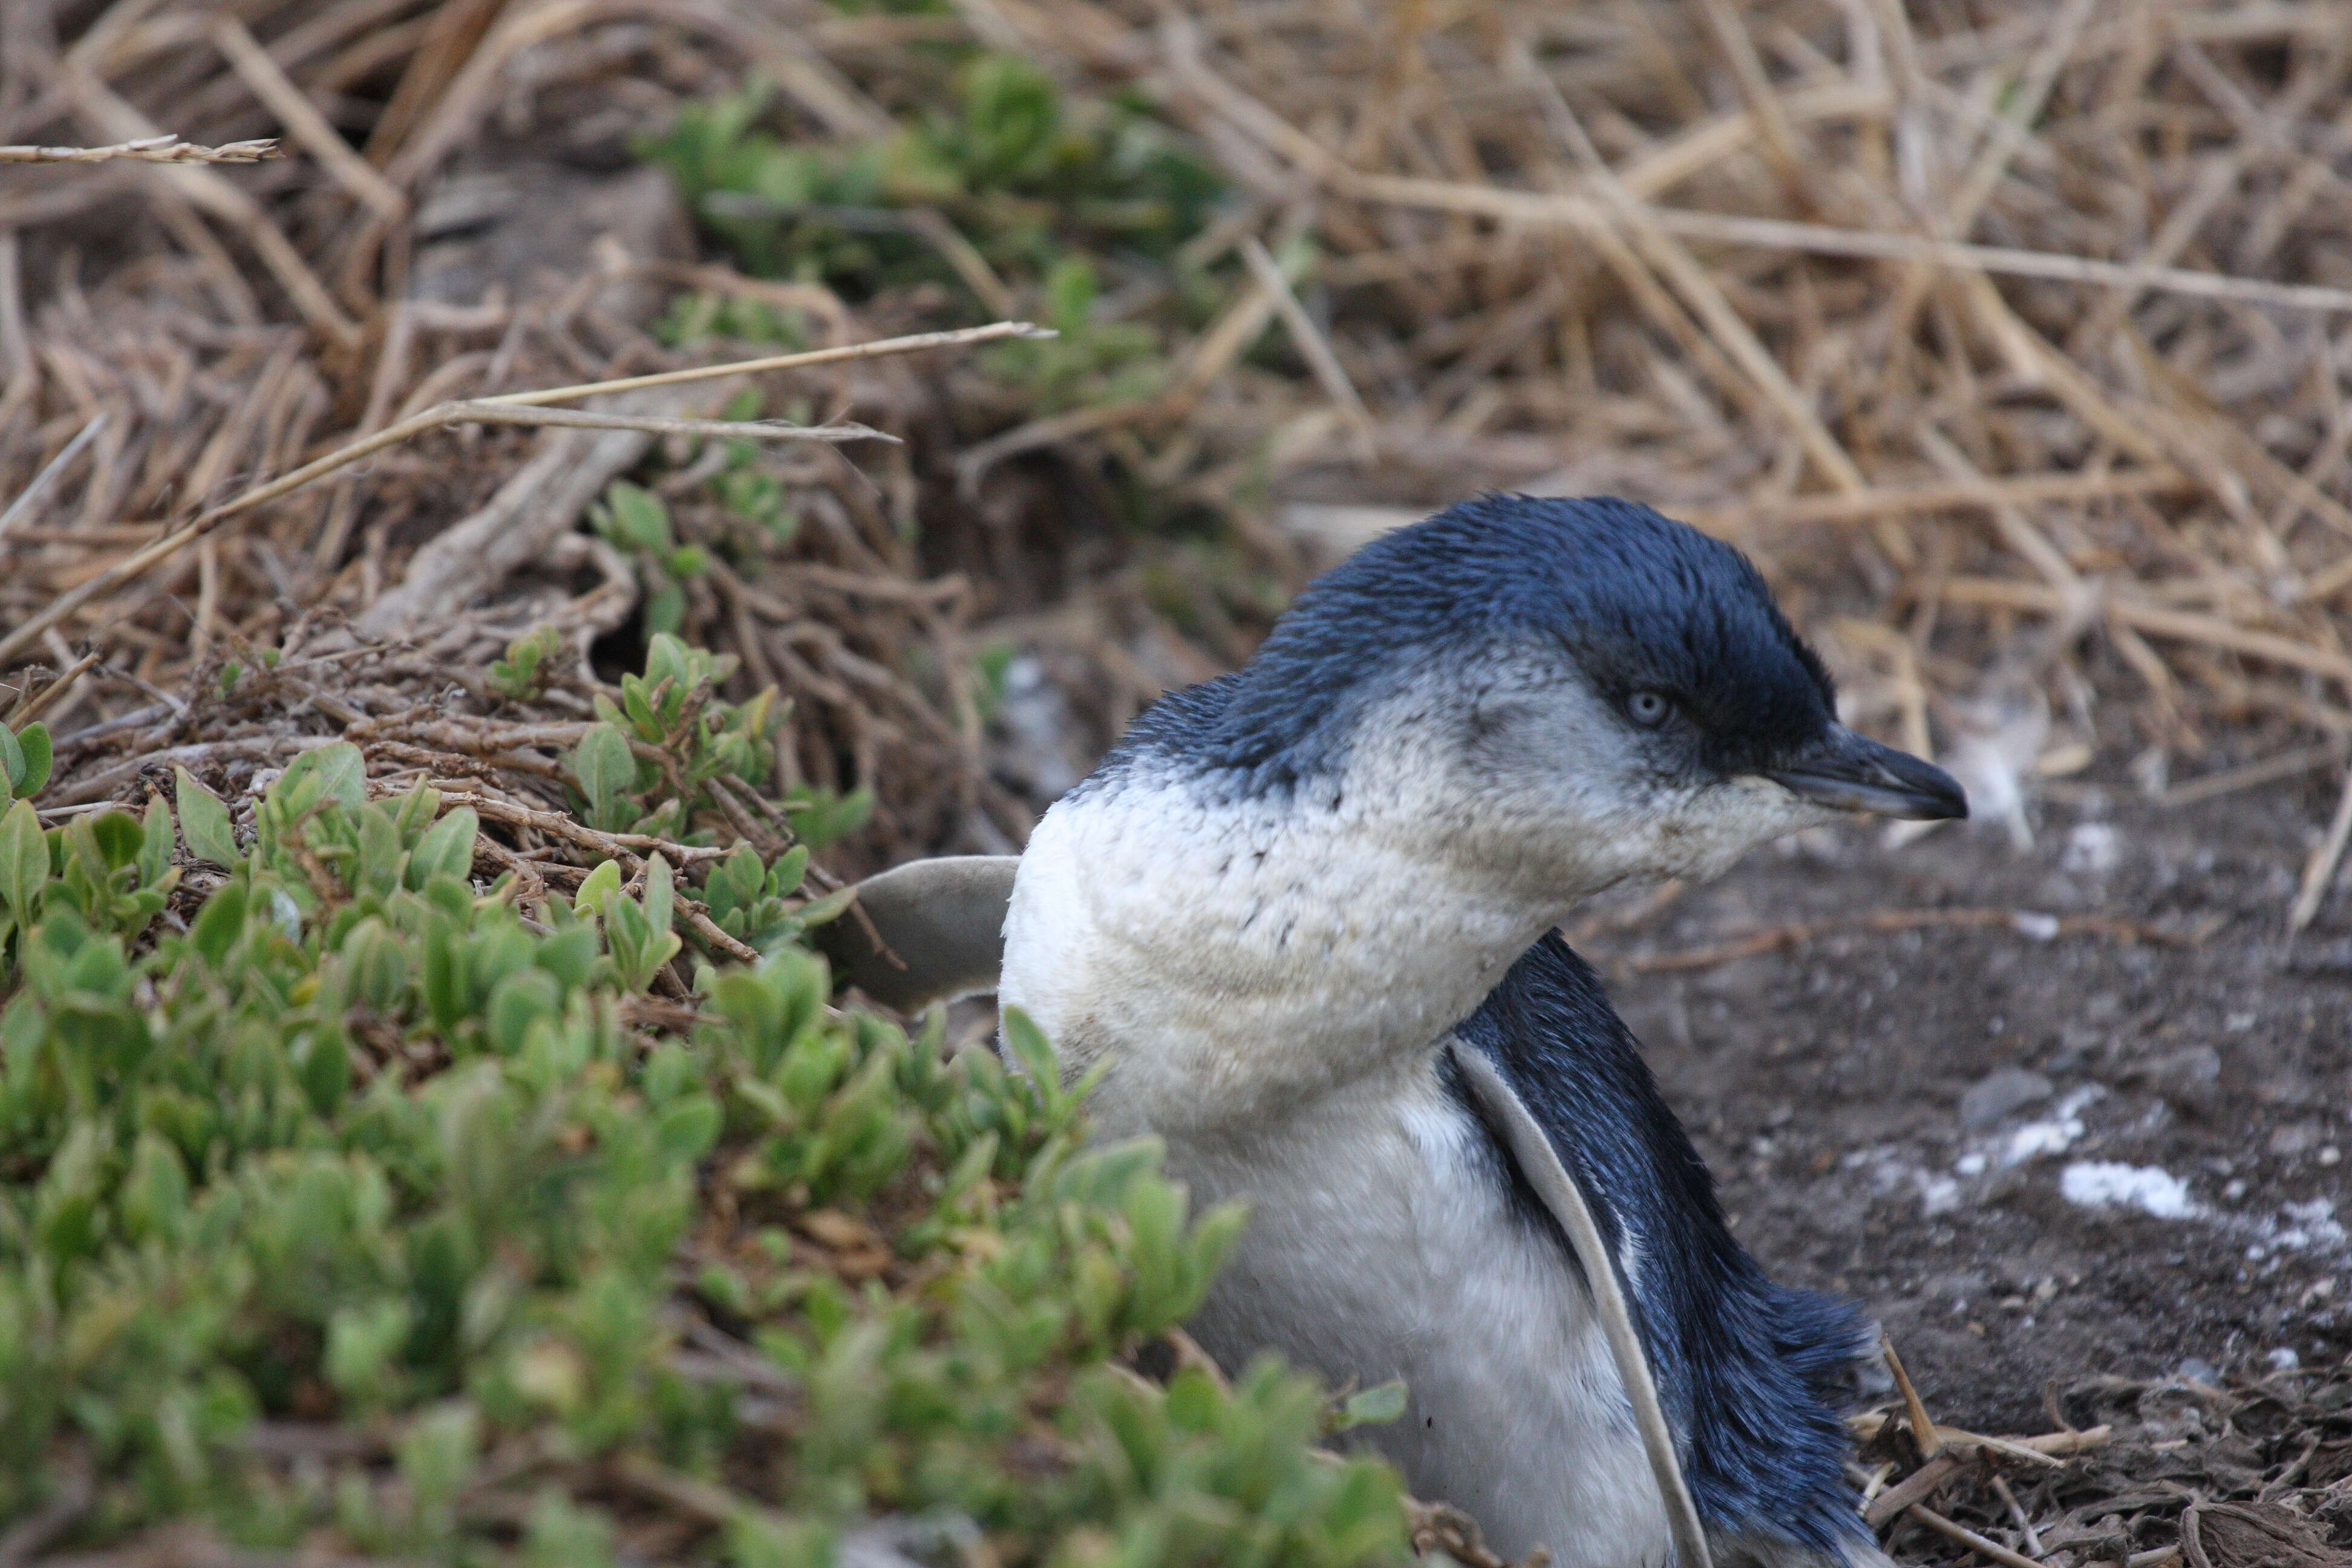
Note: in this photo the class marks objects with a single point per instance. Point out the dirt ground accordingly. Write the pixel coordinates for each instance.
(2036, 1157)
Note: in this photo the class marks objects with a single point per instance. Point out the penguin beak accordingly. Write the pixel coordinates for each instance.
(1847, 772)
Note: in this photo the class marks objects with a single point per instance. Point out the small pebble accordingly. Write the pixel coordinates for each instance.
(2294, 1139)
(2092, 850)
(1999, 1094)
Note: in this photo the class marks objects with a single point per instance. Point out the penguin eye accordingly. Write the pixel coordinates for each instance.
(1648, 709)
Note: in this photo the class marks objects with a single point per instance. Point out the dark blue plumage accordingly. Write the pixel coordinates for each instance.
(1637, 600)
(1749, 1371)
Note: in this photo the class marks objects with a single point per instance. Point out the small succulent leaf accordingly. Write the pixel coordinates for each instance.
(336, 773)
(598, 889)
(1372, 1408)
(220, 922)
(639, 710)
(818, 911)
(665, 607)
(446, 847)
(660, 893)
(1030, 1048)
(205, 821)
(118, 837)
(24, 861)
(418, 809)
(155, 842)
(33, 747)
(666, 659)
(638, 518)
(734, 881)
(377, 868)
(604, 764)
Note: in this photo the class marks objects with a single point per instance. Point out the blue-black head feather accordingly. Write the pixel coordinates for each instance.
(1639, 601)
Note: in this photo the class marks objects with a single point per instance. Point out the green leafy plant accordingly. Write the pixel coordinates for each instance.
(1025, 173)
(696, 318)
(746, 489)
(360, 1160)
(522, 675)
(753, 903)
(652, 759)
(1087, 362)
(820, 816)
(634, 519)
(1017, 193)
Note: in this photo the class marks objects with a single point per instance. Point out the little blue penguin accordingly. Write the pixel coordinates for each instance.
(1296, 901)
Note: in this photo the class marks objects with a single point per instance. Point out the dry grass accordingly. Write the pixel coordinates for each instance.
(2146, 1474)
(2010, 336)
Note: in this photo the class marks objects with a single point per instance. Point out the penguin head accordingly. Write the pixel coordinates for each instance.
(1558, 692)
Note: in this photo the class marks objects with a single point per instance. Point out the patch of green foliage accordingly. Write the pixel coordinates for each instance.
(1086, 362)
(349, 1202)
(1046, 188)
(1026, 173)
(650, 762)
(634, 519)
(521, 675)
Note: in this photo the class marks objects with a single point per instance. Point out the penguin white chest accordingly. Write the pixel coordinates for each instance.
(1384, 1242)
(1272, 1001)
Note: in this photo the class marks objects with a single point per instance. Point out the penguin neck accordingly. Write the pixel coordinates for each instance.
(1237, 957)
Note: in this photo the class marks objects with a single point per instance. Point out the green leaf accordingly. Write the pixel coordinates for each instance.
(376, 961)
(220, 922)
(446, 847)
(337, 772)
(598, 889)
(660, 892)
(604, 764)
(665, 607)
(570, 956)
(735, 881)
(12, 765)
(24, 861)
(637, 518)
(639, 710)
(322, 1064)
(822, 818)
(1030, 1048)
(517, 1002)
(119, 836)
(1372, 1408)
(205, 821)
(34, 775)
(380, 851)
(155, 842)
(818, 911)
(666, 659)
(418, 809)
(362, 1341)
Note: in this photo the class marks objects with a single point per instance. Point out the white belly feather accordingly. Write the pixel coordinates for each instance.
(1382, 1245)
